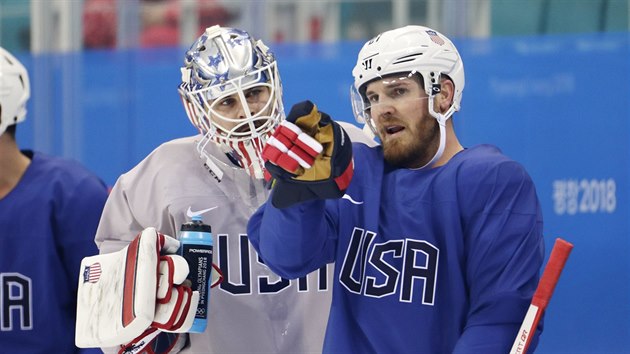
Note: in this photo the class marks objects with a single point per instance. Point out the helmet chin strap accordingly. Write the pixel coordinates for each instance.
(441, 119)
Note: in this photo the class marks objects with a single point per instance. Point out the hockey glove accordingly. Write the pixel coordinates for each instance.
(131, 295)
(309, 156)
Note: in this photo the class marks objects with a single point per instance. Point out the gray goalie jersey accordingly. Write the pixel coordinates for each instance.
(252, 310)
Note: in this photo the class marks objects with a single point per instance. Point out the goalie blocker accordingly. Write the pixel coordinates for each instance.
(131, 294)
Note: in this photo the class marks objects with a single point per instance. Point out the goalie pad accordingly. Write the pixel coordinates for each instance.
(122, 294)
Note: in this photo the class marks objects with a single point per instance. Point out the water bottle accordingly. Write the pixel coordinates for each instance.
(196, 248)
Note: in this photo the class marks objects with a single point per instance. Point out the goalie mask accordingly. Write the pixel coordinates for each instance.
(14, 90)
(232, 93)
(409, 51)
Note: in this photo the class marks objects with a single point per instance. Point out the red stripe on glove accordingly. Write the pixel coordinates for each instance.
(287, 162)
(171, 271)
(187, 294)
(290, 148)
(309, 144)
(343, 181)
(128, 309)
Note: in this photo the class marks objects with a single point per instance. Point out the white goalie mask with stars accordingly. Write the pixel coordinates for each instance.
(232, 93)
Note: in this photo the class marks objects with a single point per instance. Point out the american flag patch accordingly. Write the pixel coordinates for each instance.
(435, 37)
(92, 273)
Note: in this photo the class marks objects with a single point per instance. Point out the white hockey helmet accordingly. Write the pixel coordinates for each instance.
(224, 62)
(14, 90)
(409, 50)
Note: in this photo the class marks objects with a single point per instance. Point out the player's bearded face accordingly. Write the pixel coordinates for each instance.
(231, 111)
(399, 109)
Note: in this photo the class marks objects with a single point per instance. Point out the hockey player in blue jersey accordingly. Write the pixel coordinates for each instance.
(437, 248)
(49, 210)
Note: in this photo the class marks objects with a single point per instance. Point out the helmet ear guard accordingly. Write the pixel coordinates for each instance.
(14, 90)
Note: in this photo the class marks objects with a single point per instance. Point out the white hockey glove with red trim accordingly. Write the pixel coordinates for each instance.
(131, 295)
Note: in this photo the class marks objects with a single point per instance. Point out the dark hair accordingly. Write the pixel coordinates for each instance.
(11, 130)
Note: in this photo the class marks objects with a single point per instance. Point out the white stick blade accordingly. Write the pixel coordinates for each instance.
(525, 331)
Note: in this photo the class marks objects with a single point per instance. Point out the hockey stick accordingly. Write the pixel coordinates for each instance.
(546, 286)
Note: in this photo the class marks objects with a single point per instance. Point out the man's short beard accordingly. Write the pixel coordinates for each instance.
(416, 154)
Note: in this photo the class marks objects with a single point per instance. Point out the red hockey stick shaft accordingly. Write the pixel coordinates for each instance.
(544, 291)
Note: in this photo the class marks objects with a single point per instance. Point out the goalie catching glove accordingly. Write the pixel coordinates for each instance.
(309, 156)
(131, 295)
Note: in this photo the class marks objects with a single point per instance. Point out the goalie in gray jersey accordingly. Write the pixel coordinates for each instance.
(232, 93)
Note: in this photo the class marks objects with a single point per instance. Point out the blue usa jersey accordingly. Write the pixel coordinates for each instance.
(47, 225)
(442, 260)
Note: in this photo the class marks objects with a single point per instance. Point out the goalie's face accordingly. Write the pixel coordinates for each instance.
(397, 108)
(242, 113)
(232, 93)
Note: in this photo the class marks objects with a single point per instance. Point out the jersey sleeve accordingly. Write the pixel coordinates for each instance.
(76, 221)
(134, 205)
(118, 224)
(504, 255)
(293, 241)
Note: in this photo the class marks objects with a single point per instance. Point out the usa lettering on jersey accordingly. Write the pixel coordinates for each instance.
(241, 281)
(16, 301)
(391, 268)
